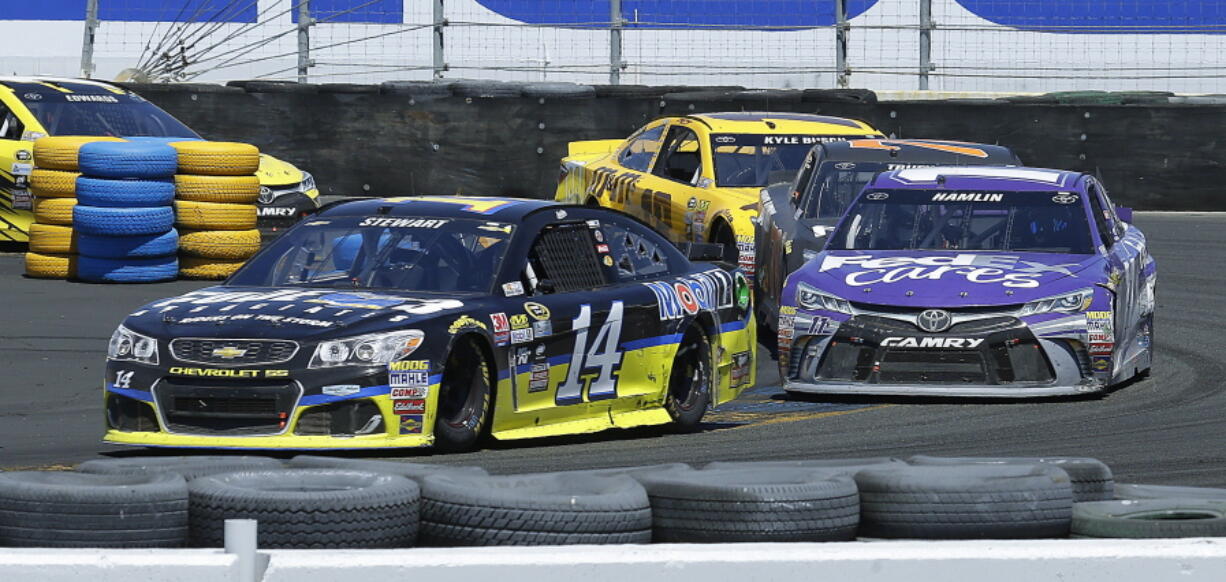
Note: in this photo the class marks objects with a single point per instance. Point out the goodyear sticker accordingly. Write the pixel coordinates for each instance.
(463, 322)
(411, 424)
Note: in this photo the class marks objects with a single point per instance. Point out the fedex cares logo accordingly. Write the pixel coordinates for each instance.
(1009, 271)
(689, 295)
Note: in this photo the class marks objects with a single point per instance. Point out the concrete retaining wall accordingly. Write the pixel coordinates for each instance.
(361, 141)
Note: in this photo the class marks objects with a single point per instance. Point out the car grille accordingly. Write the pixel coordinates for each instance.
(232, 409)
(254, 351)
(1008, 354)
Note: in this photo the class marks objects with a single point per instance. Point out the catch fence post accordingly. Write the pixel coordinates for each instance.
(925, 43)
(615, 41)
(304, 39)
(841, 33)
(440, 20)
(87, 44)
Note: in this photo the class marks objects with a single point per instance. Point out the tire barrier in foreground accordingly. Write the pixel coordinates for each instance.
(1136, 491)
(971, 501)
(759, 505)
(215, 215)
(1091, 478)
(545, 509)
(1150, 518)
(128, 269)
(69, 510)
(308, 508)
(188, 467)
(414, 471)
(51, 238)
(224, 189)
(217, 158)
(141, 246)
(127, 160)
(216, 191)
(60, 152)
(208, 269)
(847, 467)
(123, 221)
(219, 244)
(53, 183)
(124, 193)
(57, 211)
(51, 265)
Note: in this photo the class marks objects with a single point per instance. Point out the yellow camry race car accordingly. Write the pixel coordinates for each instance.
(34, 107)
(698, 178)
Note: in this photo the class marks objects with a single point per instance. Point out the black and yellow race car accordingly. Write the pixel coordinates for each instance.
(795, 216)
(423, 321)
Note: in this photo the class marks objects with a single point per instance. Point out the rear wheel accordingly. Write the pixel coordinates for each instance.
(691, 381)
(721, 234)
(464, 399)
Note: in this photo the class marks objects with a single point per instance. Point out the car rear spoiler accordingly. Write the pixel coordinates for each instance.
(592, 147)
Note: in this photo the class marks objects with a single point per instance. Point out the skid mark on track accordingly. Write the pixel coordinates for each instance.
(762, 405)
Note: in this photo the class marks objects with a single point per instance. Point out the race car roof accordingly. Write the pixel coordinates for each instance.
(1008, 179)
(479, 207)
(62, 84)
(765, 122)
(918, 151)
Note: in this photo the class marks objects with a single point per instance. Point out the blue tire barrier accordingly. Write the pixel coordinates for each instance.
(122, 221)
(127, 160)
(159, 139)
(133, 270)
(124, 193)
(124, 247)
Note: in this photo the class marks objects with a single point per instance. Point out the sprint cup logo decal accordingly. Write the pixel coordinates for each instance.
(1008, 270)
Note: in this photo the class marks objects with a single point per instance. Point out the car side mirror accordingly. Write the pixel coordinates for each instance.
(703, 251)
(545, 286)
(1125, 213)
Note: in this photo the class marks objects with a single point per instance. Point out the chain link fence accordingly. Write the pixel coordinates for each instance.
(947, 45)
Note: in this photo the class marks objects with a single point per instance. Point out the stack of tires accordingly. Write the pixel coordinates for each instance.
(53, 242)
(216, 191)
(123, 217)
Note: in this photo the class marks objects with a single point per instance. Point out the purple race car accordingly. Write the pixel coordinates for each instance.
(972, 281)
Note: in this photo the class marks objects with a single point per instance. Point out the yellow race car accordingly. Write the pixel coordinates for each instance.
(698, 178)
(34, 107)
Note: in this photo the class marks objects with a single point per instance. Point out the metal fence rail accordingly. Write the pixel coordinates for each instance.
(951, 45)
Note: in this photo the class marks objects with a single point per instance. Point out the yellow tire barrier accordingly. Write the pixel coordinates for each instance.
(50, 266)
(54, 210)
(53, 183)
(217, 158)
(60, 152)
(227, 189)
(198, 268)
(50, 238)
(214, 215)
(219, 244)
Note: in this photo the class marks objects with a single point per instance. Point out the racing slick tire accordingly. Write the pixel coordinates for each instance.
(125, 247)
(227, 189)
(214, 215)
(50, 238)
(1137, 491)
(50, 265)
(965, 502)
(414, 471)
(464, 402)
(1150, 518)
(190, 467)
(105, 221)
(127, 159)
(129, 270)
(541, 509)
(1091, 478)
(752, 505)
(60, 509)
(219, 244)
(217, 158)
(307, 508)
(53, 183)
(108, 193)
(208, 269)
(54, 210)
(60, 152)
(847, 467)
(691, 379)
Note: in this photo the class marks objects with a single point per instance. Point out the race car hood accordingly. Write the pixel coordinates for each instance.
(949, 278)
(288, 312)
(275, 172)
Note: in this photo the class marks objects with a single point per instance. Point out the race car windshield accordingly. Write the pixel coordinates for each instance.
(833, 188)
(110, 114)
(745, 160)
(1040, 222)
(411, 253)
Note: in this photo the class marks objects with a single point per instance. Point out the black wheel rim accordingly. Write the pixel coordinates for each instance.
(690, 379)
(461, 402)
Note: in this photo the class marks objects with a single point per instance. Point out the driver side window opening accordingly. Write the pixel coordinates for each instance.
(563, 259)
(10, 126)
(1102, 222)
(639, 152)
(802, 179)
(680, 157)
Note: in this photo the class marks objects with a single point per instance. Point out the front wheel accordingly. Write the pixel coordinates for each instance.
(464, 399)
(691, 380)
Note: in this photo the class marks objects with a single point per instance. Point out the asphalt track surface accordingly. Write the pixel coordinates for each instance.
(1168, 429)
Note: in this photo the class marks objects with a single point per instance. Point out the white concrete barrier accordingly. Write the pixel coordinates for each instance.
(1185, 560)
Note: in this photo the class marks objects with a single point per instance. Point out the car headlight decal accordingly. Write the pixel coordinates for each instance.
(1074, 302)
(809, 297)
(307, 184)
(365, 350)
(129, 346)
